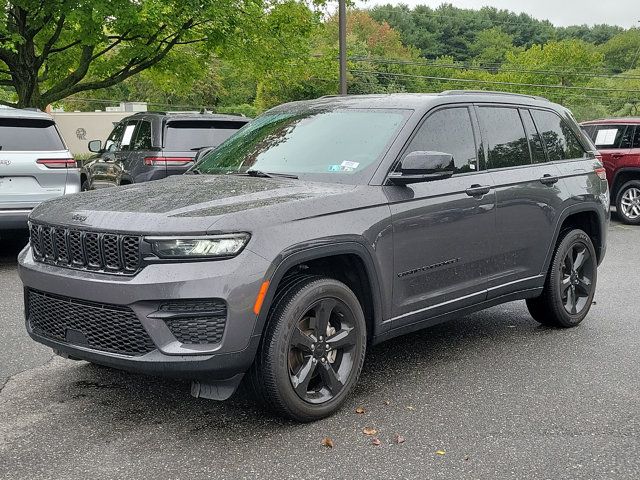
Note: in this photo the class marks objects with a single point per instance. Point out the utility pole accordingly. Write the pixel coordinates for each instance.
(342, 34)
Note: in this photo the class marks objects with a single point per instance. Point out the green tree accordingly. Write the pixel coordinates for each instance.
(491, 46)
(622, 51)
(52, 49)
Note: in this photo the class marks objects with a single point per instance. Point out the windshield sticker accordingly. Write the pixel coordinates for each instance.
(349, 165)
(335, 168)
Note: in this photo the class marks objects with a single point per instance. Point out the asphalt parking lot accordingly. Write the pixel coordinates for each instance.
(491, 395)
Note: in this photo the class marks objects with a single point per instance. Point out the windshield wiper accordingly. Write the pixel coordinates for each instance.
(260, 173)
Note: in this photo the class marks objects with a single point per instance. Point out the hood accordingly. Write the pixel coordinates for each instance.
(187, 204)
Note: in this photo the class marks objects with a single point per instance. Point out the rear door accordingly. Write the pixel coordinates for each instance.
(527, 195)
(32, 167)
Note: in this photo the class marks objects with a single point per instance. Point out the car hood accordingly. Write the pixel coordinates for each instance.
(195, 204)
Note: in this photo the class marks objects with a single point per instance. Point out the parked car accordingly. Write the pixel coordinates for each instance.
(618, 140)
(153, 145)
(321, 228)
(35, 165)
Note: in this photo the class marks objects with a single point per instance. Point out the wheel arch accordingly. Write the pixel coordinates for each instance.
(621, 177)
(329, 260)
(590, 219)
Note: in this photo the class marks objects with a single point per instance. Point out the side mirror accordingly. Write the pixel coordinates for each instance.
(422, 166)
(95, 146)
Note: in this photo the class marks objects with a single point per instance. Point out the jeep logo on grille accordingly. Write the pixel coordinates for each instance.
(76, 217)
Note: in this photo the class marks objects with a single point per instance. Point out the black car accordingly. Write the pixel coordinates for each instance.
(319, 229)
(153, 145)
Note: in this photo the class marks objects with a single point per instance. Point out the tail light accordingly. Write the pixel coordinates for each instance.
(601, 172)
(57, 162)
(167, 161)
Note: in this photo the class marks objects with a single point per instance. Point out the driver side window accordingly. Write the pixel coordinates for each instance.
(449, 131)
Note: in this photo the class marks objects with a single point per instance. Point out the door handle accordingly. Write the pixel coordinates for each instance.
(476, 190)
(547, 179)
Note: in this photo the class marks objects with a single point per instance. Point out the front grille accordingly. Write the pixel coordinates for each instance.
(71, 248)
(196, 321)
(109, 328)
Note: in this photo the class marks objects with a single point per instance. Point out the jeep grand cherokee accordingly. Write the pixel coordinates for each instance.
(321, 228)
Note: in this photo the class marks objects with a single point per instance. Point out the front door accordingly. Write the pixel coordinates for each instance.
(442, 229)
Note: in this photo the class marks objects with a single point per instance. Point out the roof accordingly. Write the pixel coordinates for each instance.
(412, 101)
(8, 112)
(620, 120)
(193, 116)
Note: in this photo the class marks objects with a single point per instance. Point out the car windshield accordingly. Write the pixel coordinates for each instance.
(327, 145)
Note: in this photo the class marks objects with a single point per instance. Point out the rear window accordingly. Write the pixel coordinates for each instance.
(193, 135)
(20, 135)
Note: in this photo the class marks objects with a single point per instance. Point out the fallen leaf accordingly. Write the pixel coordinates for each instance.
(327, 442)
(398, 438)
(369, 431)
(466, 459)
(409, 407)
(387, 402)
(376, 441)
(440, 452)
(360, 410)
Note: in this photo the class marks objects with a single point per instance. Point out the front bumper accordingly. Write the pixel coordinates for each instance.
(237, 281)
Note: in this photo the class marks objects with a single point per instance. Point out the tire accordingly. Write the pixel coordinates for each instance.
(570, 284)
(292, 352)
(628, 203)
(85, 186)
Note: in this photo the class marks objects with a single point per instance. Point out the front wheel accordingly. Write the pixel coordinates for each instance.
(628, 203)
(570, 285)
(312, 351)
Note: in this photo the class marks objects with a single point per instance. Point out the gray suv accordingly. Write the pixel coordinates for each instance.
(153, 145)
(35, 165)
(321, 228)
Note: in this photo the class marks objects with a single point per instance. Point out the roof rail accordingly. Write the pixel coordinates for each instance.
(491, 92)
(158, 112)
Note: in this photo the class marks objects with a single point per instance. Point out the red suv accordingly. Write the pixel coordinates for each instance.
(618, 140)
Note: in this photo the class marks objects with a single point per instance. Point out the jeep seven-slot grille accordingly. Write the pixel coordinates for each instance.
(84, 250)
(110, 328)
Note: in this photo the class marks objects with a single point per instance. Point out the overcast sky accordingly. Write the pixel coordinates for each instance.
(625, 13)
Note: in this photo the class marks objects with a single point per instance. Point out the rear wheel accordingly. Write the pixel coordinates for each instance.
(628, 202)
(313, 350)
(570, 285)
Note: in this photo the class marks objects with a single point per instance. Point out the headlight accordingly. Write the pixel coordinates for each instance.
(199, 247)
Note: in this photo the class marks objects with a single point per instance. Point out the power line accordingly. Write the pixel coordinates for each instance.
(496, 82)
(502, 68)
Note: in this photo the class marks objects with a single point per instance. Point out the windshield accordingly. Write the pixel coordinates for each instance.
(338, 145)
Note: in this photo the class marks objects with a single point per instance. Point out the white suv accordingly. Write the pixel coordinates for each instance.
(35, 165)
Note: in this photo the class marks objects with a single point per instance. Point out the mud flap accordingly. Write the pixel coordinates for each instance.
(218, 390)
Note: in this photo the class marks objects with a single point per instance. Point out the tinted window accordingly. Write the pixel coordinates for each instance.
(113, 141)
(448, 131)
(535, 141)
(560, 141)
(334, 145)
(29, 135)
(193, 135)
(143, 136)
(506, 140)
(636, 138)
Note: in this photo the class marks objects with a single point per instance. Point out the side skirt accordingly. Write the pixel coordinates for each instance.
(429, 322)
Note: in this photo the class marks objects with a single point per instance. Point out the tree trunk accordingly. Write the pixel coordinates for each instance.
(25, 77)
